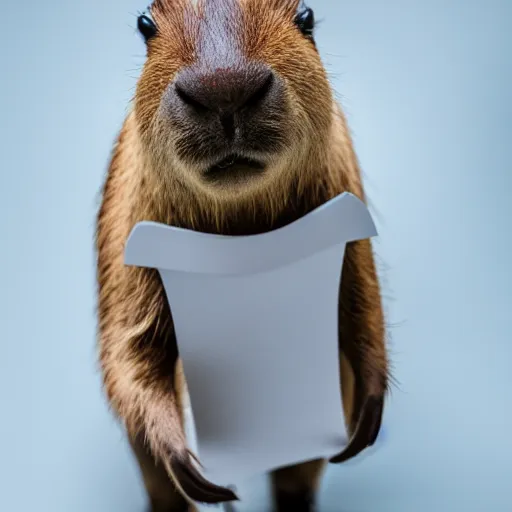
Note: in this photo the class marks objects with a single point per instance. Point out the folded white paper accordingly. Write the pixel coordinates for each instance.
(256, 320)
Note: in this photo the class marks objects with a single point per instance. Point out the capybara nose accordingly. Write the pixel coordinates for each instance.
(225, 90)
(237, 106)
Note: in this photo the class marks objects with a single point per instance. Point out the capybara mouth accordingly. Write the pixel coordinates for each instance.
(234, 167)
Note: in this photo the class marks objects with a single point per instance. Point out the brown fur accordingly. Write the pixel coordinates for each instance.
(147, 181)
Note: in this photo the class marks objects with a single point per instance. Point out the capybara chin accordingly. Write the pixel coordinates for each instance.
(233, 130)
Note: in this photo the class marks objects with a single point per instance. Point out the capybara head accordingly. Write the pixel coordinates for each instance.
(233, 98)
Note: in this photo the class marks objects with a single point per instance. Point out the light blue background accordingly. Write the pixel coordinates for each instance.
(427, 90)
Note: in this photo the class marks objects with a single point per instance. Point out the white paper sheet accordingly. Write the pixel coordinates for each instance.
(256, 320)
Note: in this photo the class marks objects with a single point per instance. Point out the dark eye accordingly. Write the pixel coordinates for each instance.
(146, 27)
(305, 20)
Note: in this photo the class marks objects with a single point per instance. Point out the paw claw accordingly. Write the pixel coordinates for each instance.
(196, 487)
(366, 431)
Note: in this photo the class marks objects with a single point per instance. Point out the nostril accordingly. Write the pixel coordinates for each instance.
(188, 99)
(261, 92)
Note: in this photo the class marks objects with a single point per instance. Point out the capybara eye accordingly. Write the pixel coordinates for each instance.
(305, 20)
(146, 27)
